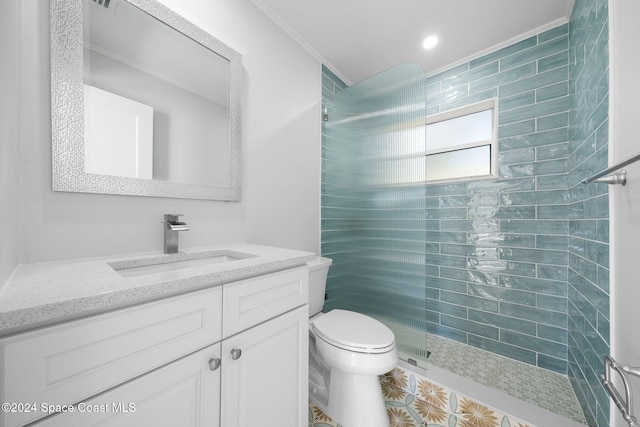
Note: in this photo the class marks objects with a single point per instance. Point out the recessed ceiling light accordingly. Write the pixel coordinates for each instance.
(430, 42)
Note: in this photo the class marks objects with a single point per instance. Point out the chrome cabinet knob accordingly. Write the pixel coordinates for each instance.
(214, 363)
(236, 353)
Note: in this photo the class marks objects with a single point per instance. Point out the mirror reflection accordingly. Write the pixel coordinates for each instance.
(156, 102)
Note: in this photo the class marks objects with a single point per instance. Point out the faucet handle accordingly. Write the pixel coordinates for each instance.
(172, 217)
(171, 228)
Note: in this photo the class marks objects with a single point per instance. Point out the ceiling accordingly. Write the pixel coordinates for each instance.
(359, 38)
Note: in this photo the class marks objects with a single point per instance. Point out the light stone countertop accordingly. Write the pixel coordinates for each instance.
(46, 293)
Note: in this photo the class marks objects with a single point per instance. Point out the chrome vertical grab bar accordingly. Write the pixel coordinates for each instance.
(619, 178)
(624, 405)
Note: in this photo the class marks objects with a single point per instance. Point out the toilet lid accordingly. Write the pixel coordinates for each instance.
(354, 331)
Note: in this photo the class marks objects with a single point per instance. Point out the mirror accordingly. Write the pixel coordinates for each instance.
(143, 103)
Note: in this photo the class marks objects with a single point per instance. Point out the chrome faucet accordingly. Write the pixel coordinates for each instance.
(171, 228)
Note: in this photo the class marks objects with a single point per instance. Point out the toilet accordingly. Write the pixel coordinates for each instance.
(347, 353)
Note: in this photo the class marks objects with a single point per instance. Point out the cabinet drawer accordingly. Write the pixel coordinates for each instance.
(252, 301)
(66, 363)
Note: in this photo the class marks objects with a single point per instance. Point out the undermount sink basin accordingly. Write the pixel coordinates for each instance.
(142, 266)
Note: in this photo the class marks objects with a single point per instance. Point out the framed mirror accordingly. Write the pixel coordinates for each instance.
(143, 103)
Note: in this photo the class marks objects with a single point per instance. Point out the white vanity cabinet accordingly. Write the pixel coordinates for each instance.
(232, 355)
(68, 363)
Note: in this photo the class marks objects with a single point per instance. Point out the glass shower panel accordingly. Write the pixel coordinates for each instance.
(373, 203)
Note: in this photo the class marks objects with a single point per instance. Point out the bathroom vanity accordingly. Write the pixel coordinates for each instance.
(221, 343)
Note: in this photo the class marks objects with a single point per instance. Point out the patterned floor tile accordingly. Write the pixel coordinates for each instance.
(414, 401)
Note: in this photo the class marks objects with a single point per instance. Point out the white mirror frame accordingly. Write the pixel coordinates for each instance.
(67, 110)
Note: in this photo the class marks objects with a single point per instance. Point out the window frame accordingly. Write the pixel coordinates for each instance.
(491, 104)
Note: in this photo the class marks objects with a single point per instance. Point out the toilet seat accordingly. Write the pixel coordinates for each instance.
(354, 332)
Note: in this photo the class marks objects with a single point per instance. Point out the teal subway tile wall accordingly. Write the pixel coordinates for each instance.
(499, 260)
(516, 265)
(588, 247)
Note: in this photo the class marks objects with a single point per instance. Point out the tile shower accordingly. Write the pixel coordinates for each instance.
(518, 266)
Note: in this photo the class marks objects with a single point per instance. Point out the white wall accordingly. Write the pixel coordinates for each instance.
(10, 19)
(624, 92)
(281, 156)
(285, 91)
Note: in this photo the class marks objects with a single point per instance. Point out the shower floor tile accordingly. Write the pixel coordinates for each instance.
(413, 399)
(545, 389)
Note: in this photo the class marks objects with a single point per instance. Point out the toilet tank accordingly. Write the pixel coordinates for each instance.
(318, 270)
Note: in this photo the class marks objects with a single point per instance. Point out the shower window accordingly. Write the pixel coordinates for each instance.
(461, 144)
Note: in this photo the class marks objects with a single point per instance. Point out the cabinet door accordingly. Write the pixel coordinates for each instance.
(265, 373)
(184, 393)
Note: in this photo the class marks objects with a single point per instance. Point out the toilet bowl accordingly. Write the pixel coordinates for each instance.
(347, 353)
